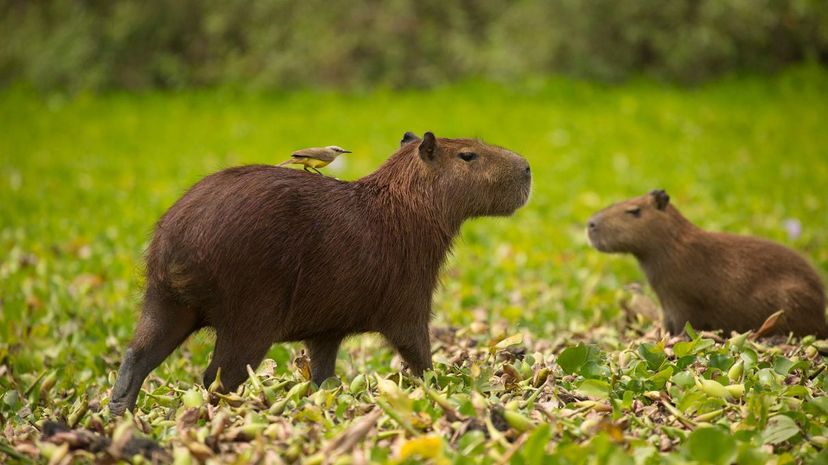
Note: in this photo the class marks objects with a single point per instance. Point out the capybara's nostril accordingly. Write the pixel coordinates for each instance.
(527, 171)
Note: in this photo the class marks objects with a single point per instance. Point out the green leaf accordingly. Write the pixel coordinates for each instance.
(703, 344)
(683, 348)
(822, 403)
(12, 399)
(192, 398)
(471, 442)
(683, 379)
(691, 333)
(594, 370)
(720, 361)
(653, 354)
(767, 378)
(660, 379)
(782, 365)
(534, 449)
(627, 400)
(780, 428)
(712, 446)
(713, 388)
(573, 359)
(594, 388)
(691, 401)
(752, 456)
(749, 357)
(685, 362)
(798, 391)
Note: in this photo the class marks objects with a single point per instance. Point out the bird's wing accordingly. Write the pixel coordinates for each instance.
(317, 153)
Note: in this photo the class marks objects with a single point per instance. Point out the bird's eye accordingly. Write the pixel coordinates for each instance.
(467, 156)
(634, 211)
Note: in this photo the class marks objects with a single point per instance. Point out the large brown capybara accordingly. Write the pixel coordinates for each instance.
(265, 254)
(715, 281)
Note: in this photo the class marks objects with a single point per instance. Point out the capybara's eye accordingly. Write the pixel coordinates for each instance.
(634, 211)
(467, 156)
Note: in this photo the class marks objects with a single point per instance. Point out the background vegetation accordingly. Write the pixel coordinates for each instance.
(83, 179)
(139, 44)
(110, 109)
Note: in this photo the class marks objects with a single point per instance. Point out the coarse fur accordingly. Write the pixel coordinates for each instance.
(264, 254)
(715, 281)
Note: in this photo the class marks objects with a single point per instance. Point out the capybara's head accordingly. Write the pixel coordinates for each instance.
(470, 177)
(632, 226)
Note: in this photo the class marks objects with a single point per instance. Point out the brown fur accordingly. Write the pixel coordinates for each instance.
(713, 280)
(266, 254)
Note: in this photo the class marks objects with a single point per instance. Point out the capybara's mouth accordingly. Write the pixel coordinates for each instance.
(526, 192)
(509, 205)
(595, 241)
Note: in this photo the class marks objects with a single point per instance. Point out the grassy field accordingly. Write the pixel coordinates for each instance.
(543, 367)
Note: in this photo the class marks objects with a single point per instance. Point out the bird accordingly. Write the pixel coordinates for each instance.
(314, 157)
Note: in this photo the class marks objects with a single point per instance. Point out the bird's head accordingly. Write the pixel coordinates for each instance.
(337, 149)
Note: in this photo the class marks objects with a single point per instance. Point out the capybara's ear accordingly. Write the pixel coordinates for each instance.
(661, 198)
(428, 147)
(409, 137)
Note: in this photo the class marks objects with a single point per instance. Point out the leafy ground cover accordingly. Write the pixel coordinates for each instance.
(535, 360)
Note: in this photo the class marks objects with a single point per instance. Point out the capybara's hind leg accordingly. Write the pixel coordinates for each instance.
(414, 348)
(233, 352)
(162, 327)
(323, 357)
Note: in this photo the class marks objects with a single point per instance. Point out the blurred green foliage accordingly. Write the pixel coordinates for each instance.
(136, 44)
(82, 180)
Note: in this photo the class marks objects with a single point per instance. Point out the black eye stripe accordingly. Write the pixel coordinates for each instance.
(467, 156)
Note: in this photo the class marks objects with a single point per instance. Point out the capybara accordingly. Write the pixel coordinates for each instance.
(265, 254)
(715, 281)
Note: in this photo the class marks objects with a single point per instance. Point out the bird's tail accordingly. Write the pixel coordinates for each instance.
(286, 162)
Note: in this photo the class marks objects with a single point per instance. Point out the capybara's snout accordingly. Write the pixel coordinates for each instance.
(593, 231)
(523, 174)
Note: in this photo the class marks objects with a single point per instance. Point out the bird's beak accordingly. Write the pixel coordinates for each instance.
(346, 151)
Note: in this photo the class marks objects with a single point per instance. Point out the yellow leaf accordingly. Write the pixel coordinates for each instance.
(395, 396)
(427, 447)
(302, 364)
(475, 370)
(510, 341)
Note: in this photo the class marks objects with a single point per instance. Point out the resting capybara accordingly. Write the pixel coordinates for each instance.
(264, 254)
(716, 281)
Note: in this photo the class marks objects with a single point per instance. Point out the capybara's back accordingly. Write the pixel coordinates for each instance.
(265, 254)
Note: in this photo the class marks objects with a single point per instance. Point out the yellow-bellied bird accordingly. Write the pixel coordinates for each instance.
(315, 157)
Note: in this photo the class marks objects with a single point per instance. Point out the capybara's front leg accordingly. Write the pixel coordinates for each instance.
(322, 353)
(414, 347)
(672, 325)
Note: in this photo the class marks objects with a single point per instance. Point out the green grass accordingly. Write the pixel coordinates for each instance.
(83, 179)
